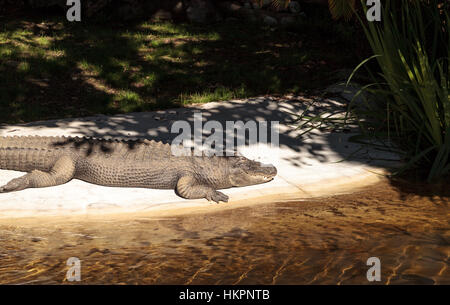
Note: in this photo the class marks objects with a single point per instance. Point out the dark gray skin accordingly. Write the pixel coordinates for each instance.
(52, 161)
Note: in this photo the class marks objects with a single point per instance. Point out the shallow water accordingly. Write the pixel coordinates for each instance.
(320, 241)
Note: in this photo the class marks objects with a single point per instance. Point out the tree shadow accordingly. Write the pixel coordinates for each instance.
(52, 69)
(158, 126)
(437, 192)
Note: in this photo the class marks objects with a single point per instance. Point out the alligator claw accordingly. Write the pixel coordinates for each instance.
(217, 196)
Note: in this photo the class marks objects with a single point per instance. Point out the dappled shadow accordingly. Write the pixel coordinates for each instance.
(317, 146)
(51, 69)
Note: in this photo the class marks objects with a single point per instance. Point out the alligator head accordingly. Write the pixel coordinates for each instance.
(245, 172)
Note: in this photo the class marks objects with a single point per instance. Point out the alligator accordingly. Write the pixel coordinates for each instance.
(51, 161)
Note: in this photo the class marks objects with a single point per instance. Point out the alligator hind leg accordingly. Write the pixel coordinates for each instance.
(189, 188)
(62, 171)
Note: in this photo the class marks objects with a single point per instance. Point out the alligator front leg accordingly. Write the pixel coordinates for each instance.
(188, 187)
(62, 171)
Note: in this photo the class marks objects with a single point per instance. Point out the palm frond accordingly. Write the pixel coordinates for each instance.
(341, 8)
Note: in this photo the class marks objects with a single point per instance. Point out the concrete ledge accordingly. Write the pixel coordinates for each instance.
(308, 167)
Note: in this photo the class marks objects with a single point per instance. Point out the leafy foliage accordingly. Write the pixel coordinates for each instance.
(411, 46)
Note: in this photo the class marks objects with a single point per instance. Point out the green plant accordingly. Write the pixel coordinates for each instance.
(411, 46)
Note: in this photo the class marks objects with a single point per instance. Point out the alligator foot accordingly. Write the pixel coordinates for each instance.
(61, 172)
(217, 196)
(189, 188)
(16, 184)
